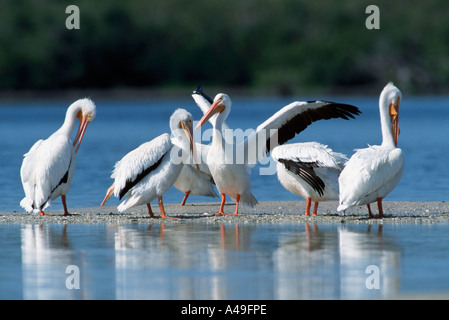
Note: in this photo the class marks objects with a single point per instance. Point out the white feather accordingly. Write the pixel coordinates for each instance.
(255, 146)
(136, 161)
(42, 170)
(153, 185)
(326, 164)
(372, 173)
(199, 180)
(147, 172)
(229, 163)
(47, 168)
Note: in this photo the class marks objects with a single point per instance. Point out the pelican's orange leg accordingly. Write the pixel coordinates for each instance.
(308, 204)
(161, 207)
(64, 204)
(223, 200)
(379, 205)
(150, 212)
(370, 213)
(237, 200)
(184, 199)
(43, 214)
(315, 209)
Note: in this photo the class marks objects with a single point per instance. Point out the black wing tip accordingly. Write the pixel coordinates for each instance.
(306, 173)
(199, 90)
(348, 109)
(352, 110)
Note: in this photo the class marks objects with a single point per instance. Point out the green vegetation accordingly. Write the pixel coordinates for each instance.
(285, 46)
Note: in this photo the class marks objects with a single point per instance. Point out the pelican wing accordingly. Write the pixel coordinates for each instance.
(289, 121)
(367, 171)
(202, 99)
(134, 166)
(305, 159)
(302, 158)
(30, 159)
(313, 153)
(305, 171)
(45, 167)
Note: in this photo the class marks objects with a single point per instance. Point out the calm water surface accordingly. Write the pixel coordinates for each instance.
(121, 126)
(200, 261)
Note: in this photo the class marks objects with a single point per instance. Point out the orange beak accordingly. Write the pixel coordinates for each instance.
(394, 114)
(84, 121)
(109, 193)
(188, 130)
(216, 107)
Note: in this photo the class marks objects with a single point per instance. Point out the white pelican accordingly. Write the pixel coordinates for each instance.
(309, 170)
(229, 165)
(148, 171)
(373, 172)
(196, 179)
(47, 169)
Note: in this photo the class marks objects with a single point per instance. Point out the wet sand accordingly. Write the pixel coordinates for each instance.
(270, 212)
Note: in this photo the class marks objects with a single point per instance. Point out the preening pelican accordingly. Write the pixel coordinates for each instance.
(373, 172)
(148, 171)
(228, 163)
(309, 170)
(47, 169)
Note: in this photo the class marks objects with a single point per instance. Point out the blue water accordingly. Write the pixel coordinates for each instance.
(122, 125)
(206, 261)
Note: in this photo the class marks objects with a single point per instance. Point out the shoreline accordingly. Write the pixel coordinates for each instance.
(267, 212)
(148, 93)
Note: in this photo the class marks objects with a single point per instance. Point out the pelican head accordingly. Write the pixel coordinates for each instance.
(391, 98)
(181, 122)
(221, 105)
(85, 112)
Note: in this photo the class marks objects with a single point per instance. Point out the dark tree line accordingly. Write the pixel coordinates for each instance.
(285, 45)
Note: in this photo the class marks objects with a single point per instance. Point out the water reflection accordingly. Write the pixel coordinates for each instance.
(360, 256)
(178, 261)
(318, 264)
(45, 256)
(201, 261)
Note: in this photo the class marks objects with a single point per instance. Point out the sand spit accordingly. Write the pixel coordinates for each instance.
(270, 212)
